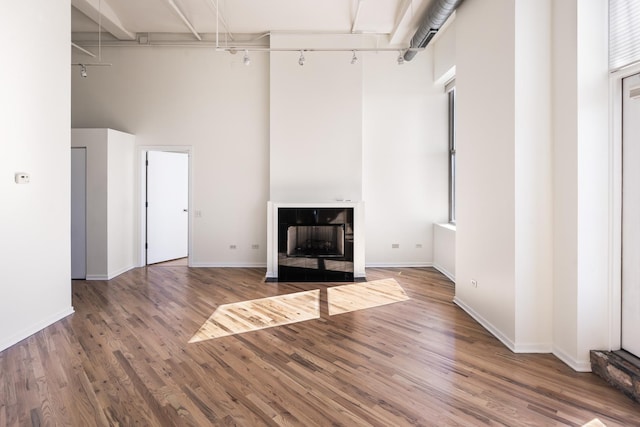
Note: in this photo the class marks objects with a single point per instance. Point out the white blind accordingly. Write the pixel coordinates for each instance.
(624, 33)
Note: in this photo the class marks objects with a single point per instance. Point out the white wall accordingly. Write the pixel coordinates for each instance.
(405, 158)
(95, 141)
(444, 52)
(533, 197)
(315, 124)
(533, 177)
(207, 101)
(485, 214)
(220, 108)
(121, 220)
(444, 249)
(581, 221)
(111, 220)
(34, 118)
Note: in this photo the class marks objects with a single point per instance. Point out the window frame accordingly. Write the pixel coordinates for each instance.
(450, 90)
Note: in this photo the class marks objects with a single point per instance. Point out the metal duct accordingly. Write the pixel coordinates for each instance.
(436, 14)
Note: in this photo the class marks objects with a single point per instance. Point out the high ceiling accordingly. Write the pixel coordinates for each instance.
(392, 21)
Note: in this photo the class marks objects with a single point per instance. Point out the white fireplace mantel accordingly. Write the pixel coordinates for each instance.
(358, 233)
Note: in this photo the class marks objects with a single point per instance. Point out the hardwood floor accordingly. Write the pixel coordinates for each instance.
(123, 359)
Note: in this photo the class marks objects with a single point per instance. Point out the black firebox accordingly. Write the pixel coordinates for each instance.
(315, 244)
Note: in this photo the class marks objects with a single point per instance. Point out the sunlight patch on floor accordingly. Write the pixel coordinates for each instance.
(253, 315)
(360, 296)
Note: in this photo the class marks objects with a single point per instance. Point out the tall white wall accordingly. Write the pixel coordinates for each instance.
(34, 118)
(533, 194)
(316, 123)
(504, 215)
(405, 158)
(533, 176)
(121, 221)
(485, 226)
(581, 192)
(95, 141)
(207, 101)
(221, 108)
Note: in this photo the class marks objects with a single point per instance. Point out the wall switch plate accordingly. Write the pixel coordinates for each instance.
(232, 247)
(255, 246)
(22, 178)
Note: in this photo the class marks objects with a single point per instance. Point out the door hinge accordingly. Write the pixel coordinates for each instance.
(146, 246)
(146, 204)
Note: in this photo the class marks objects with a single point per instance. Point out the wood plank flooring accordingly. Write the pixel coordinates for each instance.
(122, 359)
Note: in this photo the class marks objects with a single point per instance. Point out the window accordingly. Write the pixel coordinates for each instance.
(450, 89)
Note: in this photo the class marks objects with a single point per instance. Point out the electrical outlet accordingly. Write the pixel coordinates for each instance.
(474, 283)
(197, 214)
(395, 245)
(418, 245)
(21, 178)
(254, 246)
(232, 247)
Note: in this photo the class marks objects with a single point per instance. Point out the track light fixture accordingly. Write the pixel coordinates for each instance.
(301, 59)
(354, 58)
(83, 70)
(246, 60)
(400, 58)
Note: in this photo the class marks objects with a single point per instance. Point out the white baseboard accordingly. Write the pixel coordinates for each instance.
(442, 270)
(229, 264)
(96, 277)
(399, 264)
(120, 271)
(485, 324)
(576, 365)
(37, 327)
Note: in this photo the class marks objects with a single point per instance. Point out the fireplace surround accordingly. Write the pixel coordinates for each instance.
(315, 242)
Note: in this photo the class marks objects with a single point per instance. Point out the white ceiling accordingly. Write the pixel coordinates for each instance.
(394, 21)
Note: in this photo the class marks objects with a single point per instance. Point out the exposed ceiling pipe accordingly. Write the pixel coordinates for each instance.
(436, 15)
(220, 18)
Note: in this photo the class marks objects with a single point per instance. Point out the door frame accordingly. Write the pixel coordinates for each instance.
(142, 192)
(615, 204)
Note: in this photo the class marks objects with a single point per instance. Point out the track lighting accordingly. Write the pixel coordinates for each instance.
(246, 60)
(83, 70)
(400, 58)
(354, 58)
(301, 59)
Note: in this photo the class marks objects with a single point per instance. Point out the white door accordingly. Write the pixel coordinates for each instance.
(78, 213)
(631, 214)
(167, 202)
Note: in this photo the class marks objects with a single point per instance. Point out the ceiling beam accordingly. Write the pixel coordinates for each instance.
(184, 19)
(101, 11)
(356, 17)
(404, 18)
